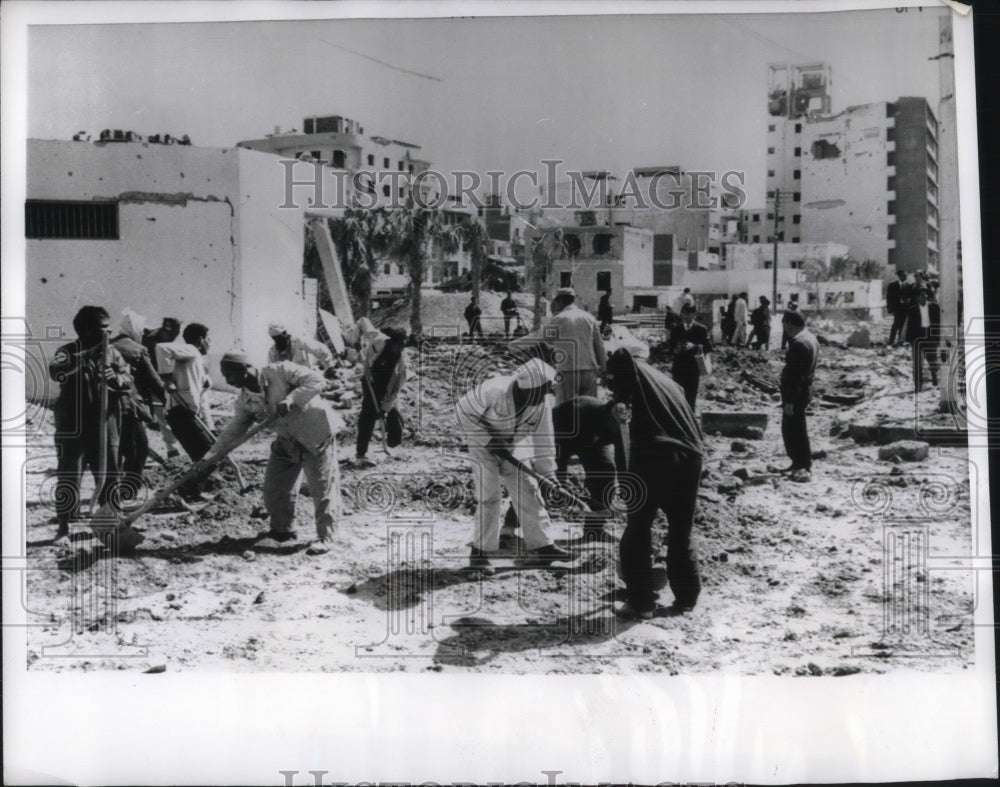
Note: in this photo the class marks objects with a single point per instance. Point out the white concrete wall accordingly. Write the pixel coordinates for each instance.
(750, 256)
(637, 257)
(844, 199)
(177, 252)
(201, 238)
(270, 243)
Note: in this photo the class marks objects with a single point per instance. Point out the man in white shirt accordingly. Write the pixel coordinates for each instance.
(511, 413)
(740, 315)
(310, 353)
(182, 367)
(305, 441)
(580, 355)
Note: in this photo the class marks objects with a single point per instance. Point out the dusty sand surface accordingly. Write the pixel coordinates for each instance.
(820, 578)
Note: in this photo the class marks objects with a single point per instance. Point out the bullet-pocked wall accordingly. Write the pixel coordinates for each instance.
(163, 230)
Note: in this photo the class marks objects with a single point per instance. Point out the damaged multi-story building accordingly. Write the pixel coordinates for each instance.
(865, 177)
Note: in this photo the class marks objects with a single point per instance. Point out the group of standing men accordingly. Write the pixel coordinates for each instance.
(916, 320)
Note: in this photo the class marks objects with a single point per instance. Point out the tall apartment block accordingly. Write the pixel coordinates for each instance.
(865, 177)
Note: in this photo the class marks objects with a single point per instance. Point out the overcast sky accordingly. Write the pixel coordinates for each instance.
(502, 93)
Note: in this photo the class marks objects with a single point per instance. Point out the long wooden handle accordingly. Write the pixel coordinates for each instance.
(523, 467)
(195, 470)
(101, 474)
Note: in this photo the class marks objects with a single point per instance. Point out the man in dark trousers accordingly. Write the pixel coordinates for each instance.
(665, 454)
(923, 322)
(472, 314)
(896, 304)
(605, 311)
(508, 308)
(796, 387)
(383, 374)
(688, 340)
(147, 390)
(760, 319)
(793, 306)
(585, 427)
(79, 368)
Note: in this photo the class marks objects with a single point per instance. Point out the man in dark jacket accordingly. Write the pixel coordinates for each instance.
(605, 311)
(148, 390)
(79, 368)
(760, 319)
(923, 322)
(796, 390)
(897, 305)
(472, 314)
(688, 340)
(508, 308)
(665, 454)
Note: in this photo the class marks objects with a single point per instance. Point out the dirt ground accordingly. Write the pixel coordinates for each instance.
(820, 578)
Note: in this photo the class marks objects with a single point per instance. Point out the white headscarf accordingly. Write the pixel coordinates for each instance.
(132, 325)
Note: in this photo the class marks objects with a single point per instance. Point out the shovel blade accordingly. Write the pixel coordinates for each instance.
(113, 533)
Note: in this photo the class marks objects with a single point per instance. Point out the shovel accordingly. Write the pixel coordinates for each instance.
(370, 390)
(111, 528)
(507, 456)
(101, 474)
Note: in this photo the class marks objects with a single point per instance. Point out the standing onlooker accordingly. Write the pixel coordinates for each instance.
(729, 324)
(665, 454)
(305, 352)
(472, 315)
(184, 371)
(79, 368)
(508, 308)
(760, 319)
(136, 408)
(740, 316)
(793, 306)
(670, 319)
(167, 332)
(605, 311)
(896, 304)
(683, 299)
(922, 331)
(383, 370)
(796, 388)
(687, 341)
(580, 353)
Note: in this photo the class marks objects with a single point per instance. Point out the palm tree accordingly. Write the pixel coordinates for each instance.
(410, 230)
(360, 236)
(476, 239)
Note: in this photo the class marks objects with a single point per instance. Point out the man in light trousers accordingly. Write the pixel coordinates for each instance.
(305, 441)
(511, 413)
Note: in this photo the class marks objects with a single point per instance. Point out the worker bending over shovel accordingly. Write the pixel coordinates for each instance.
(511, 416)
(305, 441)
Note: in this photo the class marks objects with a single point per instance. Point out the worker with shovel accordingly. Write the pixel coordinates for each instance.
(383, 372)
(305, 441)
(93, 377)
(507, 421)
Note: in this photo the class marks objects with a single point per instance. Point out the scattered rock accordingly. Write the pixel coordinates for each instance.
(739, 447)
(860, 338)
(795, 611)
(168, 535)
(723, 557)
(249, 555)
(155, 670)
(814, 669)
(843, 669)
(351, 590)
(842, 634)
(729, 486)
(906, 450)
(742, 473)
(822, 507)
(260, 598)
(819, 454)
